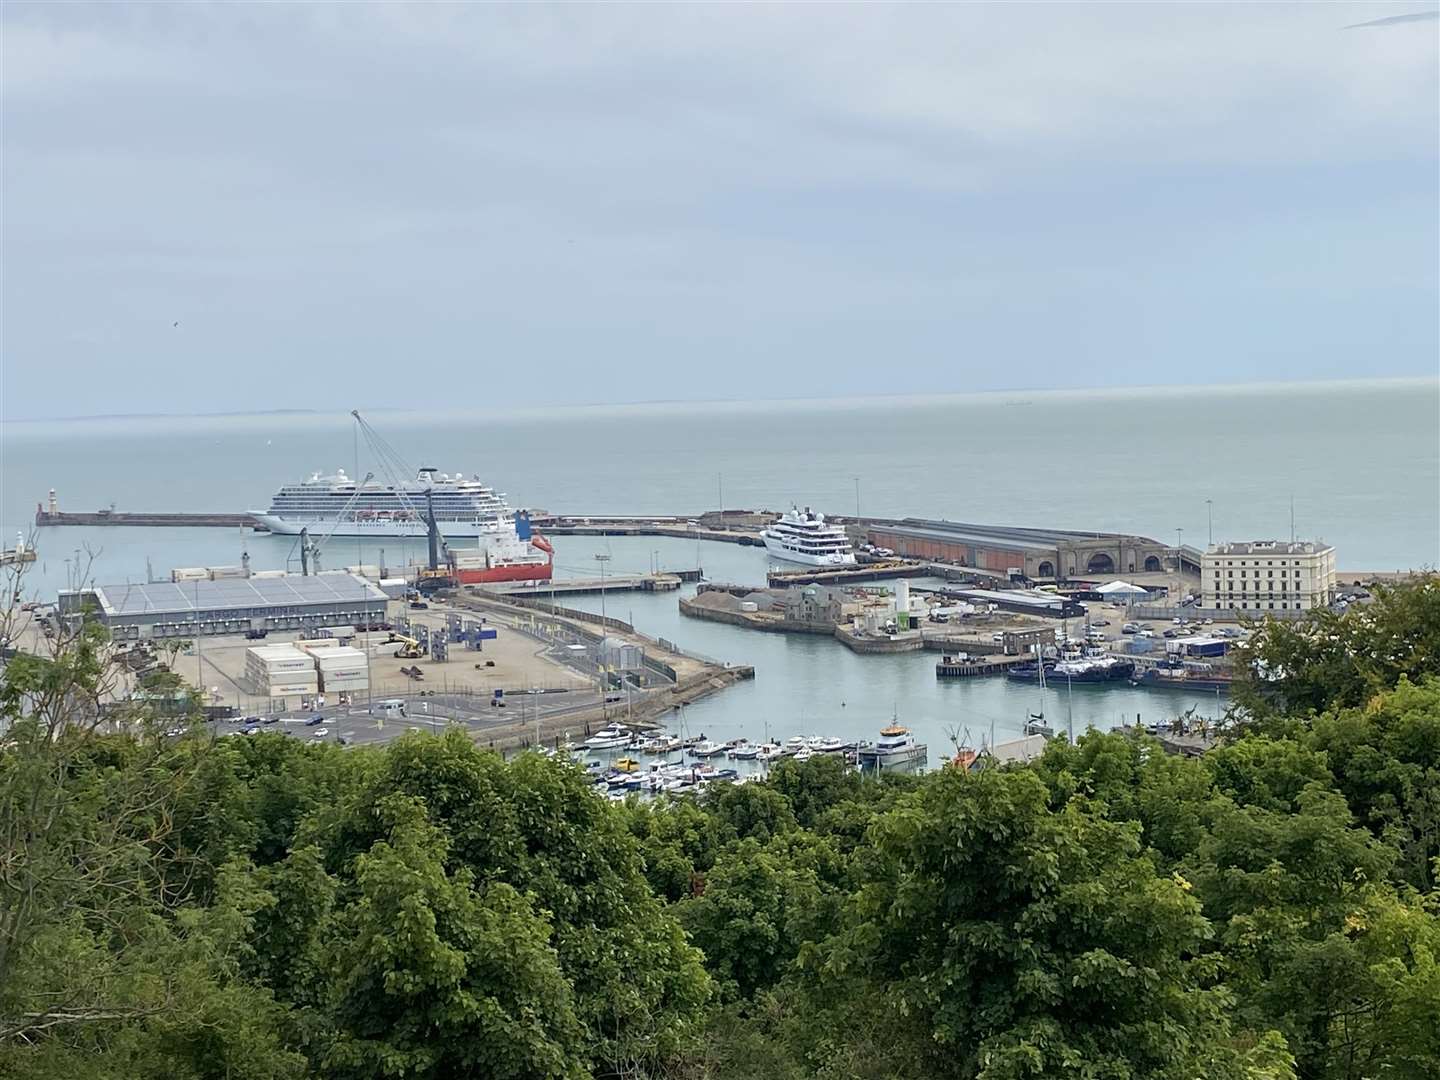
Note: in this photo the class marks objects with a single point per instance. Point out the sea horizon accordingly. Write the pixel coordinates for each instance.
(808, 402)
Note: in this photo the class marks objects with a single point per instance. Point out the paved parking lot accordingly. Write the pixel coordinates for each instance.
(374, 722)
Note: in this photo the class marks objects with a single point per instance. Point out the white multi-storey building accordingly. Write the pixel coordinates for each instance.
(1268, 575)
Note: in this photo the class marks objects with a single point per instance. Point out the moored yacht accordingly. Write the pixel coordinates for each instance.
(895, 750)
(608, 738)
(803, 536)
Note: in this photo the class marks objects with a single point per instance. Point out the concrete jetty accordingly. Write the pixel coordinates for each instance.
(666, 582)
(46, 518)
(853, 575)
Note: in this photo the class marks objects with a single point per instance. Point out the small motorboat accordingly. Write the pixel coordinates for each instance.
(609, 738)
(770, 752)
(627, 764)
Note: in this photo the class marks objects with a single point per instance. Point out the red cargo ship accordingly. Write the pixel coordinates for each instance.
(509, 550)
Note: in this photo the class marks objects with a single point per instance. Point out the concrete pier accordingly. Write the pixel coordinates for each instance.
(44, 518)
(584, 586)
(884, 571)
(951, 668)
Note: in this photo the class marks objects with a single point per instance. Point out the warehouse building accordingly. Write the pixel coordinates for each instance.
(1041, 554)
(189, 609)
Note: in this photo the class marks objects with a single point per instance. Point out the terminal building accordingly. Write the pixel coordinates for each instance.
(1268, 575)
(189, 609)
(1039, 554)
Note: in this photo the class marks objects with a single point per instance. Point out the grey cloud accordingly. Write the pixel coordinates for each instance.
(633, 199)
(1395, 20)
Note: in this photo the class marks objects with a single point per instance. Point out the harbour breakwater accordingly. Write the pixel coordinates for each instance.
(51, 518)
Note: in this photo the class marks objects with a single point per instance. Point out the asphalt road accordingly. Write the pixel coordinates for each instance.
(361, 725)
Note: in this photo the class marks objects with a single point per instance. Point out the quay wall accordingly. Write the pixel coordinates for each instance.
(751, 620)
(911, 641)
(45, 518)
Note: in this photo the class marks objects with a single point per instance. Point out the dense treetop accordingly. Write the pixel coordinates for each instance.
(258, 908)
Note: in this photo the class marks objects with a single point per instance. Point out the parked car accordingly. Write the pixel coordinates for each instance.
(321, 733)
(253, 729)
(314, 720)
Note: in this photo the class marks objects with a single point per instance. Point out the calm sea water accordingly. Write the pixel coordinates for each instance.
(1360, 460)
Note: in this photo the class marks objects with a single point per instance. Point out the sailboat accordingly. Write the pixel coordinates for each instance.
(1036, 725)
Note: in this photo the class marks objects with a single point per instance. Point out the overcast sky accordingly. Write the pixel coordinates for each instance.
(344, 204)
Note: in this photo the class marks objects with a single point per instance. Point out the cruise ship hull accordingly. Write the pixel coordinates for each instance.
(290, 527)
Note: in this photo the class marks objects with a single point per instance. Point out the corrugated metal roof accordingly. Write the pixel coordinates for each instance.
(961, 535)
(1011, 596)
(185, 597)
(1000, 535)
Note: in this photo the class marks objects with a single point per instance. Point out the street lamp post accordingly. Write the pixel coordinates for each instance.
(1209, 523)
(1179, 566)
(602, 560)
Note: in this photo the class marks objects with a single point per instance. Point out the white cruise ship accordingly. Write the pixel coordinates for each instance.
(463, 507)
(804, 537)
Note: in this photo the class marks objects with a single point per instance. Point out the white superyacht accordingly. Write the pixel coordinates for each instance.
(802, 536)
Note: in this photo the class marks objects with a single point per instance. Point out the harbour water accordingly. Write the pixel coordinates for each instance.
(1361, 461)
(812, 685)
